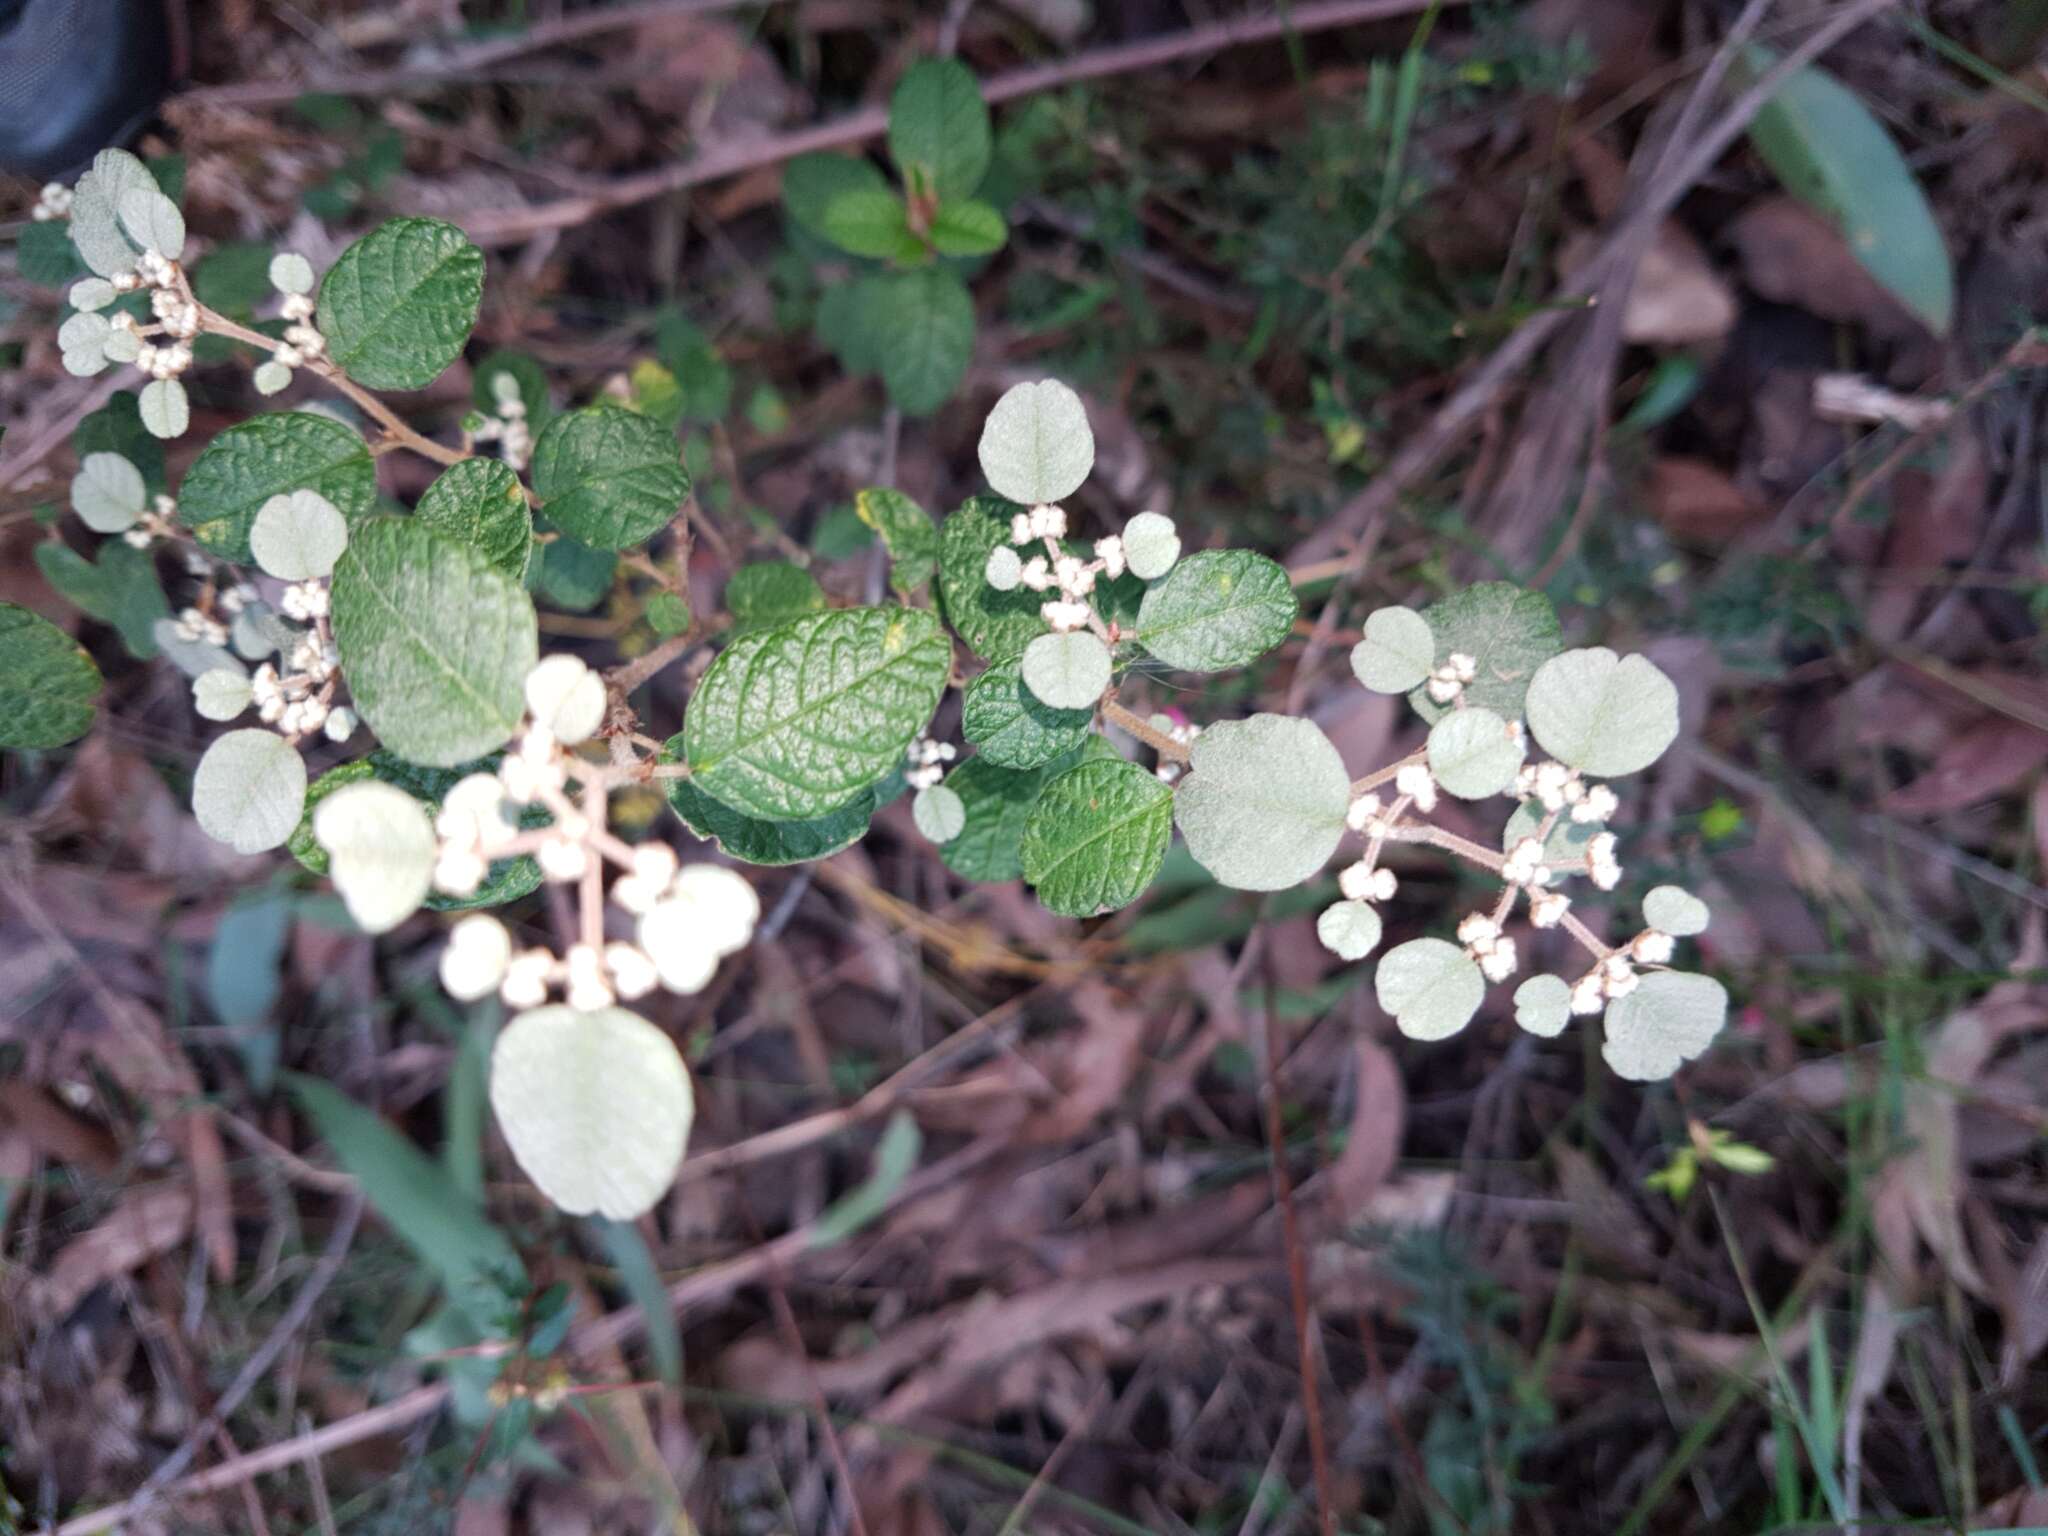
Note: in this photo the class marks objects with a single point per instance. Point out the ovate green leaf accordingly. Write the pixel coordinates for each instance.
(792, 723)
(609, 476)
(1096, 837)
(1036, 446)
(1217, 609)
(938, 128)
(274, 455)
(398, 305)
(908, 533)
(1011, 726)
(924, 323)
(480, 502)
(119, 588)
(1508, 632)
(47, 683)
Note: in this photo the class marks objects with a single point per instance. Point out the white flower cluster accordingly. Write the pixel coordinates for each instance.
(1555, 787)
(1363, 882)
(296, 699)
(1485, 943)
(1417, 783)
(54, 202)
(1601, 867)
(292, 276)
(201, 628)
(153, 524)
(927, 759)
(689, 920)
(508, 427)
(1449, 680)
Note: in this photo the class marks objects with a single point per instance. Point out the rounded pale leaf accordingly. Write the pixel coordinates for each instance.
(1397, 653)
(380, 852)
(1670, 909)
(81, 339)
(1671, 1017)
(1011, 726)
(249, 790)
(153, 221)
(1506, 631)
(1263, 805)
(108, 492)
(1067, 671)
(273, 455)
(1151, 545)
(96, 211)
(1036, 446)
(1604, 714)
(1431, 987)
(595, 1106)
(568, 698)
(1474, 753)
(1005, 568)
(1543, 1005)
(221, 694)
(165, 410)
(298, 536)
(1349, 929)
(939, 812)
(435, 641)
(291, 273)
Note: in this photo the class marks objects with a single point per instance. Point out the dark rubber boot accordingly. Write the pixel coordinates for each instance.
(75, 77)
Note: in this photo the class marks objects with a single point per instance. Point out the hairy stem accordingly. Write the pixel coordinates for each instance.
(1144, 730)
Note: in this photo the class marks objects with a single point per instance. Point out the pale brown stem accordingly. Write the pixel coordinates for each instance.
(1380, 776)
(1157, 740)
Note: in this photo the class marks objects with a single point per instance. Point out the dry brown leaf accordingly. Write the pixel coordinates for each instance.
(1698, 503)
(143, 1223)
(1791, 255)
(1936, 520)
(1981, 764)
(1373, 1145)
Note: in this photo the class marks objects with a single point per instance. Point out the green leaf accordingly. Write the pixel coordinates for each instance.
(595, 1105)
(1220, 608)
(895, 1157)
(1603, 714)
(1474, 753)
(506, 880)
(908, 533)
(1262, 807)
(397, 307)
(234, 278)
(754, 841)
(480, 502)
(1676, 911)
(44, 254)
(995, 625)
(938, 128)
(644, 1286)
(1507, 632)
(871, 222)
(1543, 1005)
(701, 373)
(1670, 1018)
(1096, 837)
(668, 613)
(1431, 987)
(769, 593)
(608, 476)
(152, 221)
(165, 408)
(1036, 446)
(273, 455)
(120, 588)
(1397, 653)
(811, 184)
(572, 575)
(249, 790)
(925, 325)
(1349, 929)
(435, 641)
(1833, 154)
(48, 685)
(1066, 671)
(475, 1262)
(998, 803)
(792, 723)
(1011, 726)
(968, 228)
(850, 322)
(107, 493)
